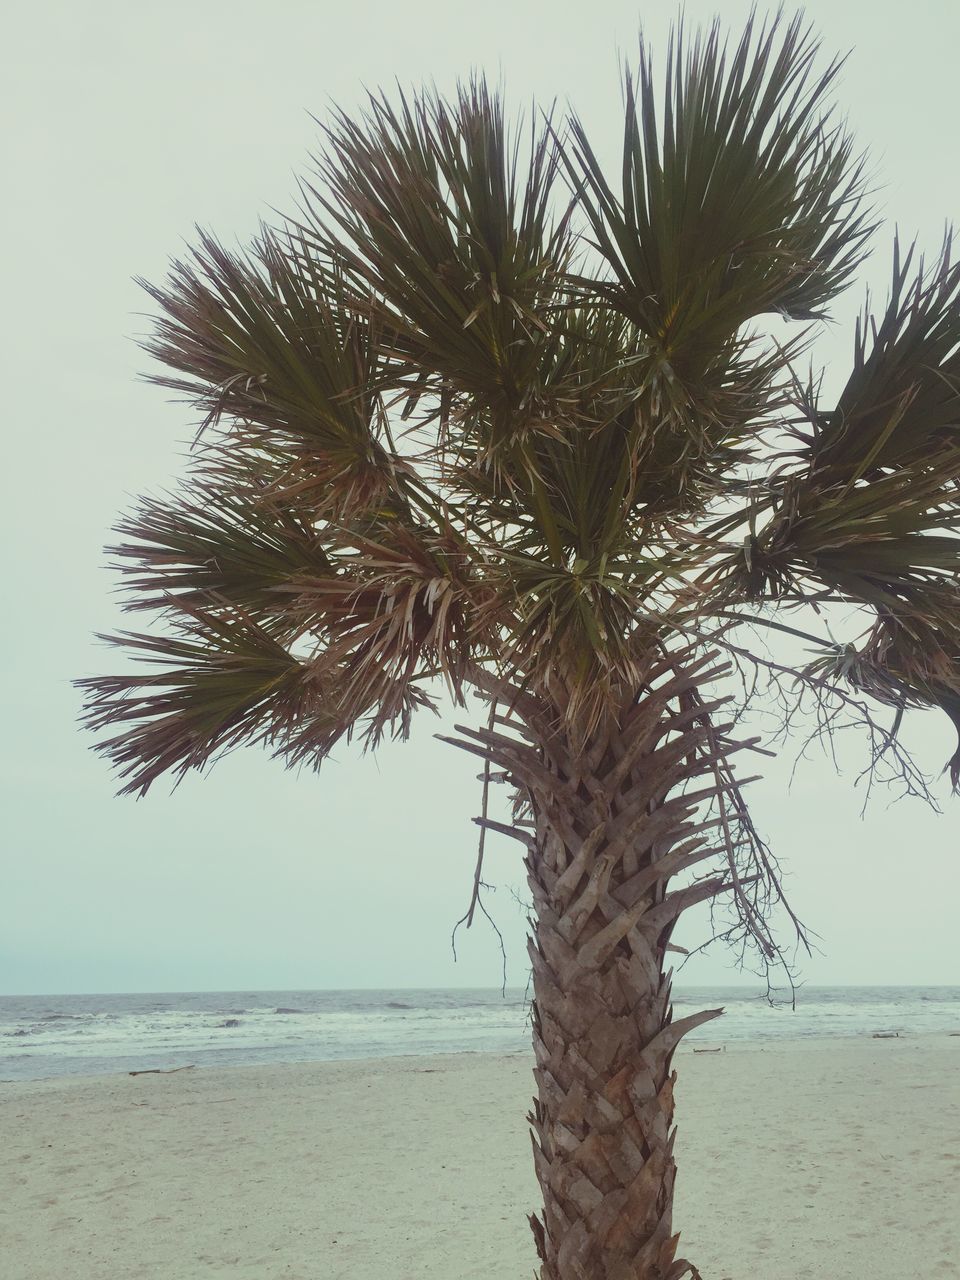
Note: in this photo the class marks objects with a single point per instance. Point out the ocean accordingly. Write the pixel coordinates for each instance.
(43, 1036)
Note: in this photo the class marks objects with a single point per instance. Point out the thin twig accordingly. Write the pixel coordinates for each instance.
(467, 917)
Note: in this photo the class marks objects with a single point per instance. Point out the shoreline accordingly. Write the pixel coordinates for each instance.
(687, 1048)
(792, 1164)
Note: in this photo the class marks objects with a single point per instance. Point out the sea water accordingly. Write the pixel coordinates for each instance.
(42, 1036)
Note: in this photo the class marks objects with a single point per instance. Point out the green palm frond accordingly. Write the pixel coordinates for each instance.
(746, 200)
(901, 403)
(869, 540)
(215, 543)
(451, 223)
(274, 347)
(868, 506)
(217, 682)
(580, 481)
(870, 503)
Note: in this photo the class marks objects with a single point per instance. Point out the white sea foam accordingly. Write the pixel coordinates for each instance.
(58, 1035)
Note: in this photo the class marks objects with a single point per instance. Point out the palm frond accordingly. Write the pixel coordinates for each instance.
(216, 682)
(275, 347)
(866, 500)
(871, 541)
(745, 200)
(451, 224)
(235, 546)
(869, 500)
(397, 611)
(274, 639)
(901, 402)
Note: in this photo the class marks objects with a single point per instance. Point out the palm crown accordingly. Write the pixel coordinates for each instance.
(482, 407)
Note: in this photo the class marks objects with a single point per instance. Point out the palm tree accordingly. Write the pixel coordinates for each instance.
(483, 415)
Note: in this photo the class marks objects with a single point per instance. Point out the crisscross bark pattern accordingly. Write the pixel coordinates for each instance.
(607, 841)
(612, 822)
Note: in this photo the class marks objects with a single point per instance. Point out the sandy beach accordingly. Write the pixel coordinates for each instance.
(832, 1158)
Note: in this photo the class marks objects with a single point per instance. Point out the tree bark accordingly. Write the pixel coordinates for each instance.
(610, 829)
(603, 1116)
(615, 815)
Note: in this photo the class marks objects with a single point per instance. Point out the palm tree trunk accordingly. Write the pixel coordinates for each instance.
(603, 1115)
(613, 819)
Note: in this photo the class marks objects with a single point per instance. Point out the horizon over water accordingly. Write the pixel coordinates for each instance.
(91, 1034)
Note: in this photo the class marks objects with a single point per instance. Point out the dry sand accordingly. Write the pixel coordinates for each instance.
(835, 1159)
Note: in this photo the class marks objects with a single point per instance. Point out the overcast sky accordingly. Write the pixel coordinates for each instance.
(126, 124)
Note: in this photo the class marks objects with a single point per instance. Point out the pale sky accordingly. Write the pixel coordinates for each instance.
(126, 125)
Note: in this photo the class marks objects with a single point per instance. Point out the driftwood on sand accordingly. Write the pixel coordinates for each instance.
(161, 1071)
